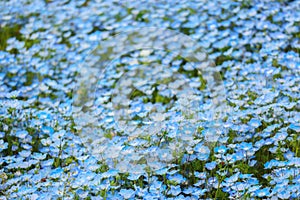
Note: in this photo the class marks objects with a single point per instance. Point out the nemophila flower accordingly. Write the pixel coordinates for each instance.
(189, 190)
(21, 134)
(270, 164)
(199, 192)
(3, 145)
(56, 173)
(201, 175)
(273, 149)
(47, 130)
(137, 142)
(155, 187)
(199, 183)
(231, 180)
(294, 161)
(269, 141)
(81, 193)
(165, 155)
(213, 181)
(240, 187)
(110, 173)
(211, 135)
(203, 152)
(24, 153)
(14, 147)
(259, 143)
(295, 127)
(246, 146)
(265, 192)
(254, 123)
(127, 193)
(252, 163)
(220, 149)
(44, 116)
(289, 154)
(284, 194)
(175, 190)
(211, 165)
(178, 178)
(280, 136)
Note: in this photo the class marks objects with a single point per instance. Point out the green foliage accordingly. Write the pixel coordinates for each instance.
(7, 32)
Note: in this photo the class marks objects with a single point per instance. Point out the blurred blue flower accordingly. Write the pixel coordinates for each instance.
(203, 152)
(265, 192)
(127, 193)
(211, 165)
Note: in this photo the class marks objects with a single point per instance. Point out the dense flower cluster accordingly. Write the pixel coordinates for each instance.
(169, 144)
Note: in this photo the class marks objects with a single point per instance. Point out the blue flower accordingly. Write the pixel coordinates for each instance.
(44, 115)
(255, 123)
(127, 193)
(265, 192)
(24, 153)
(110, 173)
(82, 194)
(220, 149)
(232, 179)
(211, 165)
(284, 194)
(56, 173)
(246, 146)
(295, 127)
(203, 152)
(175, 190)
(21, 134)
(47, 130)
(280, 136)
(3, 145)
(178, 178)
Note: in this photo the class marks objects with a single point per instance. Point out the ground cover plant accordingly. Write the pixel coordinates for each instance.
(171, 143)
